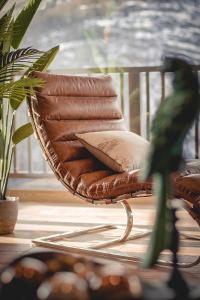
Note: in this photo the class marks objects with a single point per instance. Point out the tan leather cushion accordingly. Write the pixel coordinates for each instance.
(106, 185)
(121, 151)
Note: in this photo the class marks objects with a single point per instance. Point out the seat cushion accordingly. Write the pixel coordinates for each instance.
(91, 179)
(111, 186)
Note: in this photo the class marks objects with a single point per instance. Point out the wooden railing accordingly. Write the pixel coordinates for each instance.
(140, 90)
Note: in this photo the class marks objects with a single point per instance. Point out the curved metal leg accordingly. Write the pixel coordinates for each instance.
(126, 233)
(129, 221)
(193, 237)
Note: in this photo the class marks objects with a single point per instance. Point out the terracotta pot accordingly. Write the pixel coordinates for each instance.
(8, 214)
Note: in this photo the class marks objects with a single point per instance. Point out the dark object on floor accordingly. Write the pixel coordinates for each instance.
(56, 276)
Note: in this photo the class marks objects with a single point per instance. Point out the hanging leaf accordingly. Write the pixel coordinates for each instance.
(2, 3)
(2, 144)
(23, 21)
(17, 97)
(44, 61)
(6, 30)
(22, 133)
(8, 38)
(4, 24)
(16, 91)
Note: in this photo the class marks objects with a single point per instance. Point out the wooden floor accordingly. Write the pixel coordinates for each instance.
(40, 219)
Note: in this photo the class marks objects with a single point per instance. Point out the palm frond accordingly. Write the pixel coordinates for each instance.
(21, 83)
(44, 61)
(16, 91)
(14, 56)
(23, 21)
(16, 61)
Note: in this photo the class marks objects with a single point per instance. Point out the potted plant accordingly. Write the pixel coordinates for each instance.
(14, 89)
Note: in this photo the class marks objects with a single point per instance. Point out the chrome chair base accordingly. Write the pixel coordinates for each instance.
(57, 241)
(180, 264)
(52, 240)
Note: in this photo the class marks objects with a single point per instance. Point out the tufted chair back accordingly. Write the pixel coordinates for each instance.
(69, 104)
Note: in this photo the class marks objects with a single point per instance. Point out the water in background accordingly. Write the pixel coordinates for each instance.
(116, 32)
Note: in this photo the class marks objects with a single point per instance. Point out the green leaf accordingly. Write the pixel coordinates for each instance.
(17, 97)
(6, 30)
(8, 38)
(2, 144)
(44, 61)
(23, 21)
(22, 133)
(19, 94)
(16, 91)
(2, 3)
(16, 61)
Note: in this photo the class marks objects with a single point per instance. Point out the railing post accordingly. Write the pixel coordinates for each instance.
(134, 101)
(162, 77)
(148, 121)
(197, 132)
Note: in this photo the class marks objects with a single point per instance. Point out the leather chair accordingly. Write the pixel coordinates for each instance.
(66, 105)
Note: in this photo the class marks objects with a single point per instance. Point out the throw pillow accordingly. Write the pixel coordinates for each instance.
(119, 150)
